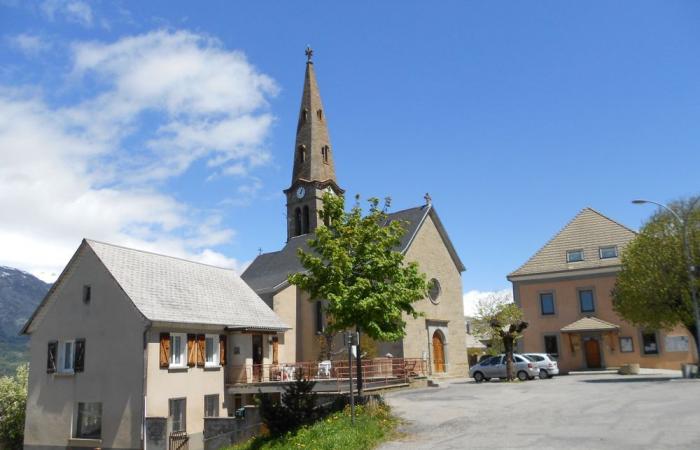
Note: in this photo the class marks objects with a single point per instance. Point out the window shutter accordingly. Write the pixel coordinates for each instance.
(191, 350)
(201, 350)
(222, 349)
(164, 350)
(79, 356)
(51, 358)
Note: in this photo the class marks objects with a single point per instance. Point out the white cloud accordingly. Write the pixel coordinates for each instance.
(72, 10)
(93, 168)
(29, 44)
(472, 298)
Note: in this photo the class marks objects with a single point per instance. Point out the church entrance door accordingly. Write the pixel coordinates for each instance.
(438, 352)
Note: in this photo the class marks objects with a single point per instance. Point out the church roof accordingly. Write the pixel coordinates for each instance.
(588, 231)
(269, 271)
(168, 289)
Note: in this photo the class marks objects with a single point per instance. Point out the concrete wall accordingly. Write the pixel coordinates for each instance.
(284, 303)
(113, 330)
(567, 310)
(433, 258)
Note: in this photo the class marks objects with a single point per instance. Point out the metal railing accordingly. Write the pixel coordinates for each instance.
(373, 370)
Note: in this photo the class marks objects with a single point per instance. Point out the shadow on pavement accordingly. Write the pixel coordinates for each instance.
(628, 380)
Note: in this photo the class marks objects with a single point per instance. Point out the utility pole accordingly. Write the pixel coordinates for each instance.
(360, 381)
(351, 339)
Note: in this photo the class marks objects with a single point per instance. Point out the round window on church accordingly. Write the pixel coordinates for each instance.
(434, 291)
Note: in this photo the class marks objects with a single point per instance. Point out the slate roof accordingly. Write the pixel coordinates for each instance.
(589, 324)
(588, 230)
(174, 290)
(269, 271)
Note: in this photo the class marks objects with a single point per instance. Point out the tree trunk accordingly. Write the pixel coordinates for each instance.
(508, 344)
(692, 329)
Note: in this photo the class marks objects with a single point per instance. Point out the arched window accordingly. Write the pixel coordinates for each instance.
(297, 222)
(305, 220)
(324, 153)
(302, 153)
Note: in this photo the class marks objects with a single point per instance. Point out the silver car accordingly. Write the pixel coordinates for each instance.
(546, 363)
(495, 367)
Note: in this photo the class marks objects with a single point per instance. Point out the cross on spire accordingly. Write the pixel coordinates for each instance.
(309, 53)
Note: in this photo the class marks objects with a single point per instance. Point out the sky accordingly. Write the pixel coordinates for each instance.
(169, 126)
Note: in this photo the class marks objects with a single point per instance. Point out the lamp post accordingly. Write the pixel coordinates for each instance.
(689, 266)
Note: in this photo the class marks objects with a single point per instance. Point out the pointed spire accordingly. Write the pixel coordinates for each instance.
(313, 154)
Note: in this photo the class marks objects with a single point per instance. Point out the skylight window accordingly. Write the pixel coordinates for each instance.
(608, 252)
(574, 255)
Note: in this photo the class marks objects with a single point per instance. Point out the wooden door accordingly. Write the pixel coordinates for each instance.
(592, 354)
(275, 350)
(257, 357)
(438, 352)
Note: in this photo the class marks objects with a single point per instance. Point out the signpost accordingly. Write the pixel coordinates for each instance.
(351, 340)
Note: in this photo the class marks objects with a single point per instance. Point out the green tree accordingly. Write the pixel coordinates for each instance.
(501, 322)
(355, 267)
(653, 287)
(296, 408)
(13, 401)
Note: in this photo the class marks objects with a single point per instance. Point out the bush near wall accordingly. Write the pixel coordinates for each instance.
(13, 402)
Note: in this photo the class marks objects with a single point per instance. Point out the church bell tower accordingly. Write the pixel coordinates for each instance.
(314, 171)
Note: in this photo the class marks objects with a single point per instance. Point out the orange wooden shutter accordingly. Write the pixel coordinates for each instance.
(222, 349)
(201, 350)
(191, 350)
(164, 350)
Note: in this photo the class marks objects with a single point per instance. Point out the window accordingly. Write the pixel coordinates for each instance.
(89, 421)
(649, 343)
(608, 252)
(324, 152)
(87, 294)
(297, 222)
(551, 346)
(177, 413)
(211, 405)
(66, 356)
(302, 153)
(319, 113)
(319, 317)
(585, 298)
(305, 221)
(626, 345)
(574, 255)
(435, 291)
(178, 350)
(211, 350)
(547, 303)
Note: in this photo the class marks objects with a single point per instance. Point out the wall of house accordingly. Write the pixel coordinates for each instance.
(308, 343)
(567, 310)
(429, 251)
(192, 383)
(113, 374)
(284, 303)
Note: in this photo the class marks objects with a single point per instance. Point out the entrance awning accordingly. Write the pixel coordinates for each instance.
(589, 324)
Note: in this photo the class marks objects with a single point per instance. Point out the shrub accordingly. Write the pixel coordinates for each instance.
(13, 401)
(296, 408)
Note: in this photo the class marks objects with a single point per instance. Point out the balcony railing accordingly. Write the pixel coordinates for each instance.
(373, 370)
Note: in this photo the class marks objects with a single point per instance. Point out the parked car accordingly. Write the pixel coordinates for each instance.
(495, 367)
(546, 363)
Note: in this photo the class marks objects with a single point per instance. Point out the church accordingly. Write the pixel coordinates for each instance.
(437, 336)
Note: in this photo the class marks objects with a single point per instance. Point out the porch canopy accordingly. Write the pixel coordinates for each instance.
(589, 324)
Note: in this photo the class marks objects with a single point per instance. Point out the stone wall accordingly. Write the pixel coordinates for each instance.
(223, 431)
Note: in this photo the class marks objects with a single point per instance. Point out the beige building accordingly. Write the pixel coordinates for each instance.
(565, 291)
(129, 344)
(437, 338)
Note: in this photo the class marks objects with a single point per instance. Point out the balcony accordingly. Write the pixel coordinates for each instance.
(330, 376)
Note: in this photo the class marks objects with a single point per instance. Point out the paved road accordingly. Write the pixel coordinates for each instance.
(568, 412)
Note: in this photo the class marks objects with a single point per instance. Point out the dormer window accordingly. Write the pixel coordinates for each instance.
(608, 252)
(574, 255)
(324, 153)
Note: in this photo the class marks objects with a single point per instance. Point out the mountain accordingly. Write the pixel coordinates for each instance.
(20, 294)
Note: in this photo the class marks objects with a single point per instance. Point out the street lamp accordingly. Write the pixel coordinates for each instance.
(689, 265)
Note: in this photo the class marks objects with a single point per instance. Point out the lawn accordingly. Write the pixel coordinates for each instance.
(373, 425)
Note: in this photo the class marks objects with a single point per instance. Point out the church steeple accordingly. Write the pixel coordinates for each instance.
(313, 159)
(314, 171)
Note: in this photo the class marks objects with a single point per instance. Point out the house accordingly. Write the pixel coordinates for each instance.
(437, 337)
(565, 292)
(128, 344)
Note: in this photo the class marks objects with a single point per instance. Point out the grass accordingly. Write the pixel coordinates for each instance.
(373, 425)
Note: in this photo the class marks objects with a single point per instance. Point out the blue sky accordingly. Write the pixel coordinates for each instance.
(170, 125)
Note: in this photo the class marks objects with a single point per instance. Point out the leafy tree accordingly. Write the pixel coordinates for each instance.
(500, 321)
(355, 267)
(653, 288)
(13, 401)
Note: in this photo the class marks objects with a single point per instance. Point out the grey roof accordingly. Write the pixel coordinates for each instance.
(588, 230)
(169, 289)
(269, 271)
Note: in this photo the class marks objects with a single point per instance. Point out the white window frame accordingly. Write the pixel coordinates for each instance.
(215, 343)
(600, 251)
(62, 357)
(183, 350)
(576, 250)
(77, 420)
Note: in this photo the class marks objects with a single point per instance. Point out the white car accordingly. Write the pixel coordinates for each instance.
(546, 363)
(495, 367)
